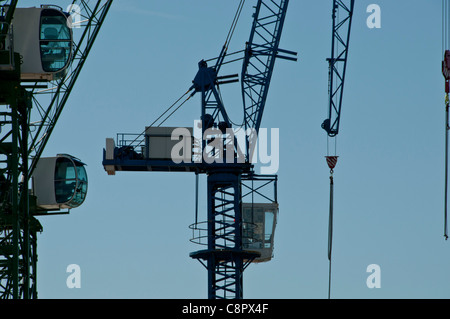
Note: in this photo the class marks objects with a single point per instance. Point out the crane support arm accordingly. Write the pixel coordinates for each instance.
(260, 54)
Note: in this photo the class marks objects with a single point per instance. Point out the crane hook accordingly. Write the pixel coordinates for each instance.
(331, 161)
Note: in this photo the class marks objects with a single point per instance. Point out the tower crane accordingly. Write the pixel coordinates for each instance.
(42, 52)
(342, 14)
(238, 230)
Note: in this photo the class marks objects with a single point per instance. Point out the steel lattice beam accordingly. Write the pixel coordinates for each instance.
(261, 51)
(342, 23)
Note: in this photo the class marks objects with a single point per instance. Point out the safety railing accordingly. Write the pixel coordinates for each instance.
(130, 139)
(249, 238)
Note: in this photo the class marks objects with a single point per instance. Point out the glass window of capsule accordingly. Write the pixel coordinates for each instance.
(70, 182)
(55, 40)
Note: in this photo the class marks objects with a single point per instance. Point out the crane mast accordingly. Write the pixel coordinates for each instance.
(226, 255)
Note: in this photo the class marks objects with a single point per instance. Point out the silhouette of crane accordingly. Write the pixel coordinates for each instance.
(238, 230)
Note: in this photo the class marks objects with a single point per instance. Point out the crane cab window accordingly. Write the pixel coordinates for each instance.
(263, 225)
(258, 228)
(269, 217)
(55, 40)
(82, 183)
(70, 182)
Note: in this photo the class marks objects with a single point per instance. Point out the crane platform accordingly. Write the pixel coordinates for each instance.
(128, 156)
(152, 165)
(224, 254)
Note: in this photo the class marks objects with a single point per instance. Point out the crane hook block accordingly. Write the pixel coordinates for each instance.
(331, 161)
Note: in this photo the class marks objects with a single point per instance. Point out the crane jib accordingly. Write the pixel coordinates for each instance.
(337, 64)
(261, 51)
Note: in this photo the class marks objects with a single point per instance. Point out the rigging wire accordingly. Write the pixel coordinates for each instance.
(228, 54)
(445, 42)
(174, 111)
(229, 118)
(332, 77)
(167, 110)
(330, 233)
(234, 23)
(224, 53)
(225, 48)
(331, 161)
(227, 42)
(445, 24)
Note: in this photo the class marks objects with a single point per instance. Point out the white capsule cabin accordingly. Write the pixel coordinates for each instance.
(43, 37)
(259, 221)
(59, 182)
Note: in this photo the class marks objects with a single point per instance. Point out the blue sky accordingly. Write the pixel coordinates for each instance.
(131, 236)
